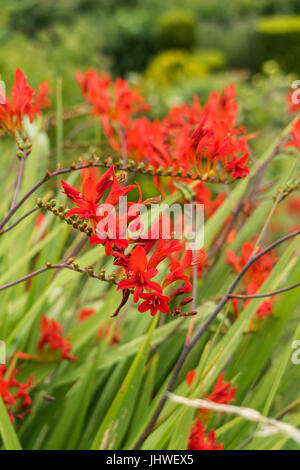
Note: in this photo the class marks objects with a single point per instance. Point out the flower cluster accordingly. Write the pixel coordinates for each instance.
(190, 138)
(254, 278)
(222, 393)
(199, 441)
(25, 101)
(15, 395)
(52, 345)
(115, 103)
(114, 229)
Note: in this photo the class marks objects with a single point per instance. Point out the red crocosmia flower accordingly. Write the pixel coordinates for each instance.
(293, 206)
(115, 103)
(237, 167)
(85, 313)
(190, 377)
(109, 332)
(120, 259)
(222, 392)
(15, 395)
(265, 308)
(296, 135)
(293, 107)
(199, 441)
(177, 273)
(21, 104)
(163, 250)
(92, 192)
(258, 272)
(41, 100)
(254, 278)
(191, 137)
(52, 336)
(154, 302)
(109, 243)
(138, 277)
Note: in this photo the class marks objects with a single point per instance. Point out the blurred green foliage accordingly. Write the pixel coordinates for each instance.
(126, 34)
(279, 39)
(177, 29)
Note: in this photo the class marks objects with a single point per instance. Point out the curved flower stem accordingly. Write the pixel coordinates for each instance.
(267, 294)
(187, 348)
(75, 167)
(24, 198)
(19, 220)
(56, 266)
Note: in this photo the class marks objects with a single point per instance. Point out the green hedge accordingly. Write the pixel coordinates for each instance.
(279, 39)
(177, 30)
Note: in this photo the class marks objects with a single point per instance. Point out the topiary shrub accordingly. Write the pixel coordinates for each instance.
(212, 58)
(170, 67)
(177, 30)
(279, 39)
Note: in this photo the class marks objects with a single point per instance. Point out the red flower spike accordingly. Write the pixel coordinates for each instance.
(198, 440)
(92, 192)
(138, 277)
(222, 393)
(15, 395)
(255, 276)
(52, 336)
(22, 104)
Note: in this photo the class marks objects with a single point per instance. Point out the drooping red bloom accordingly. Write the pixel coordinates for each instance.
(92, 192)
(22, 103)
(52, 340)
(138, 276)
(15, 394)
(222, 392)
(85, 313)
(199, 441)
(153, 302)
(258, 272)
(254, 278)
(177, 273)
